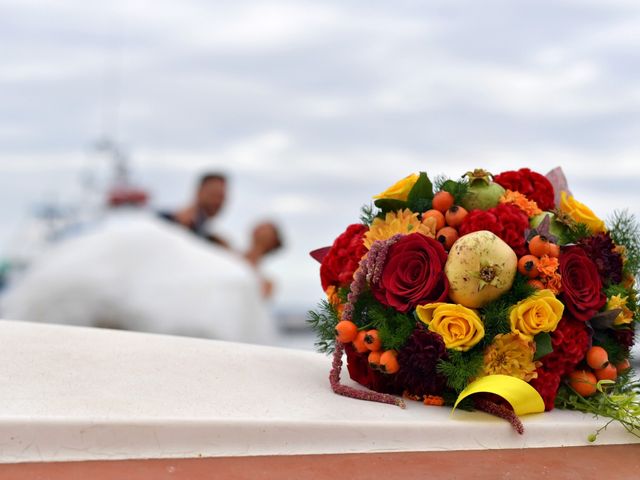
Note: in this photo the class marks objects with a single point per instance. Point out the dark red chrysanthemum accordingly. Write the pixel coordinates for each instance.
(343, 258)
(418, 360)
(625, 336)
(536, 187)
(600, 249)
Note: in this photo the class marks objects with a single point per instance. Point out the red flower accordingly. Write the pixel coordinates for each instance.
(571, 340)
(413, 273)
(581, 284)
(418, 360)
(514, 223)
(547, 385)
(536, 187)
(506, 221)
(625, 336)
(361, 372)
(480, 220)
(342, 260)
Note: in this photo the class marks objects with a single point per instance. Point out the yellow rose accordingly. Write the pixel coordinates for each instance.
(460, 327)
(580, 213)
(541, 312)
(400, 190)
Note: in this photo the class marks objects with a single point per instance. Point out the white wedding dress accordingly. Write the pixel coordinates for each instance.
(137, 272)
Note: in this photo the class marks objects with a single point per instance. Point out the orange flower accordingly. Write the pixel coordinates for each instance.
(334, 299)
(554, 283)
(511, 354)
(522, 202)
(547, 266)
(433, 400)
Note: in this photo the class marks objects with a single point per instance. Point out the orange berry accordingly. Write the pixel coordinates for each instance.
(437, 215)
(389, 361)
(528, 266)
(455, 215)
(583, 382)
(346, 331)
(374, 359)
(447, 236)
(358, 342)
(554, 250)
(372, 340)
(539, 246)
(608, 372)
(537, 284)
(442, 201)
(597, 357)
(623, 366)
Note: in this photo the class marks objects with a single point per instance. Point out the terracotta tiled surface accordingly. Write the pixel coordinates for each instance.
(618, 462)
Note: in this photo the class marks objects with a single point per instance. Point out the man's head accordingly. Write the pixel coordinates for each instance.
(212, 190)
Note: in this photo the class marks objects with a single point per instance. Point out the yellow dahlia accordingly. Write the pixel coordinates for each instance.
(403, 222)
(510, 354)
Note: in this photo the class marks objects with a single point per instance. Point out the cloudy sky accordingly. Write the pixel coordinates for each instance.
(312, 107)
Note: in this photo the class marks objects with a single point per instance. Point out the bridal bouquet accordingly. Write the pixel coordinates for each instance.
(502, 293)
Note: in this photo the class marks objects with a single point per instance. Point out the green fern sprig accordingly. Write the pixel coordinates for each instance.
(625, 231)
(323, 322)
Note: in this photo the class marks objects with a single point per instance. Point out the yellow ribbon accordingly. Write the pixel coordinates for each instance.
(521, 396)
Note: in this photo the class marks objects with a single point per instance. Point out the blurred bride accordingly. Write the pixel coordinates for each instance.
(138, 272)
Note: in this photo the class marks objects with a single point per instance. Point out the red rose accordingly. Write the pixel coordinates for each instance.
(413, 273)
(536, 187)
(507, 221)
(343, 258)
(581, 284)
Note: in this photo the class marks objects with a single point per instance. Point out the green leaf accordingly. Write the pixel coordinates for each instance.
(457, 188)
(543, 345)
(390, 204)
(421, 194)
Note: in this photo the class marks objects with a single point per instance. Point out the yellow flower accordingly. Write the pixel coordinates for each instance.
(403, 222)
(580, 213)
(620, 302)
(511, 354)
(400, 190)
(541, 312)
(460, 327)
